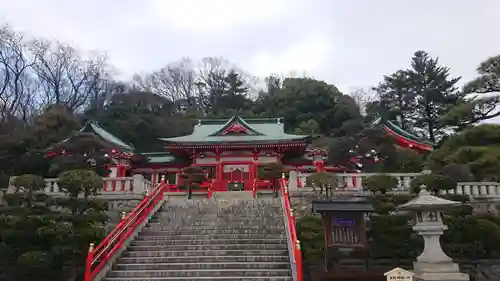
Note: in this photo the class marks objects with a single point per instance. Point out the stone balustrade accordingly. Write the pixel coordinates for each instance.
(354, 181)
(484, 196)
(352, 184)
(349, 184)
(112, 187)
(478, 191)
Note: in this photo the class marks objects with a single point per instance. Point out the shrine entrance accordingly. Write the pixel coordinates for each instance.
(236, 177)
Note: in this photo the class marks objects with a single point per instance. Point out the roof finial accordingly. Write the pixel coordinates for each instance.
(423, 190)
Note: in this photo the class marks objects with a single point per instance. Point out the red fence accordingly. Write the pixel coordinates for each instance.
(99, 256)
(296, 250)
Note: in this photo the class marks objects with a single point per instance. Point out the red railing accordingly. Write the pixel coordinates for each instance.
(99, 256)
(296, 250)
(254, 188)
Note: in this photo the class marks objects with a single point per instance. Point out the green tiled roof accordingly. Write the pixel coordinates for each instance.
(94, 127)
(260, 130)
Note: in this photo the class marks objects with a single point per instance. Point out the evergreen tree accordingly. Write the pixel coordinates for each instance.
(86, 217)
(82, 151)
(420, 96)
(482, 100)
(436, 93)
(31, 232)
(396, 99)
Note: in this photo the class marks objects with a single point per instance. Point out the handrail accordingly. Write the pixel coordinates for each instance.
(295, 243)
(99, 256)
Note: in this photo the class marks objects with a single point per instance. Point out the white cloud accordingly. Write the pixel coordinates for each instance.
(205, 15)
(347, 43)
(305, 55)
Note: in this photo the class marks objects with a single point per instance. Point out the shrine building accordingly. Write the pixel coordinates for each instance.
(230, 151)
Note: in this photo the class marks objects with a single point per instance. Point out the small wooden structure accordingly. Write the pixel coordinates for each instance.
(399, 274)
(344, 222)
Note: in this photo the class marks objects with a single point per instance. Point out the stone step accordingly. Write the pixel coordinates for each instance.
(206, 247)
(164, 236)
(171, 225)
(196, 221)
(202, 221)
(213, 214)
(200, 272)
(221, 209)
(185, 259)
(202, 278)
(160, 232)
(207, 241)
(270, 252)
(195, 265)
(195, 227)
(241, 206)
(215, 209)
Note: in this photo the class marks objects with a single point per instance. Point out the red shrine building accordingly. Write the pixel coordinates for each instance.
(229, 150)
(403, 138)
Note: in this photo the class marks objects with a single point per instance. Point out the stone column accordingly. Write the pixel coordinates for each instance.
(138, 184)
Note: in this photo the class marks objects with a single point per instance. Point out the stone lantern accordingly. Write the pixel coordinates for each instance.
(433, 264)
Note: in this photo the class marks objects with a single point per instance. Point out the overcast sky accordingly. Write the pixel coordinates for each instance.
(350, 43)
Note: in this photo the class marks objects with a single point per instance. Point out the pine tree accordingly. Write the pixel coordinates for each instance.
(420, 96)
(31, 228)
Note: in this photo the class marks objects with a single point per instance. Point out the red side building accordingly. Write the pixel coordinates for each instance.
(403, 138)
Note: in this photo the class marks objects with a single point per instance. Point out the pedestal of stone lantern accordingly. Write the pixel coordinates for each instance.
(433, 264)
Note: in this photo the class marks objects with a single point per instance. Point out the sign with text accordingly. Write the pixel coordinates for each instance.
(344, 222)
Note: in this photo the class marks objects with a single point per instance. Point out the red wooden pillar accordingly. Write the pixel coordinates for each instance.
(217, 154)
(251, 175)
(297, 178)
(218, 176)
(153, 177)
(121, 170)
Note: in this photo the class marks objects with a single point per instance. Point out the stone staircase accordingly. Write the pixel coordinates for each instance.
(229, 237)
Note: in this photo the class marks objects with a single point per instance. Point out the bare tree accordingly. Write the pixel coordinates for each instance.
(17, 87)
(67, 78)
(363, 98)
(175, 82)
(211, 82)
(193, 86)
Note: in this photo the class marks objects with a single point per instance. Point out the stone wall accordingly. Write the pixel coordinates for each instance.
(301, 202)
(481, 270)
(117, 206)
